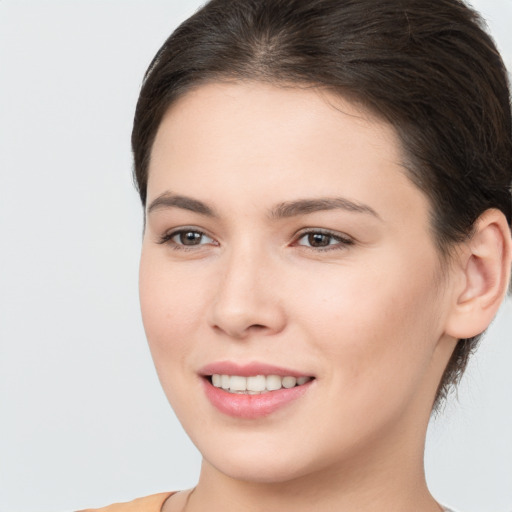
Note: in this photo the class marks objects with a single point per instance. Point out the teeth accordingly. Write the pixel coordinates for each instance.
(224, 381)
(289, 382)
(274, 382)
(237, 383)
(257, 384)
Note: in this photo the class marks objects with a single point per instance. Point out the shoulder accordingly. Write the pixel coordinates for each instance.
(151, 503)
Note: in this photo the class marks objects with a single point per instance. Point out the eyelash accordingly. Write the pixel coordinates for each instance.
(167, 238)
(341, 241)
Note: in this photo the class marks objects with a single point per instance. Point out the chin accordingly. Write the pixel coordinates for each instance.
(261, 458)
(263, 470)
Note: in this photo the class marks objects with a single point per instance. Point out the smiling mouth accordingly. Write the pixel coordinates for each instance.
(256, 384)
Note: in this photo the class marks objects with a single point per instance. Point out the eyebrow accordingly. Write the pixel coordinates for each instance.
(169, 200)
(305, 206)
(282, 210)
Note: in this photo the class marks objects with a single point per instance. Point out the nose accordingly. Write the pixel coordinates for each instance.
(247, 300)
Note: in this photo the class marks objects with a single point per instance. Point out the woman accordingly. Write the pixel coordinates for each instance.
(327, 234)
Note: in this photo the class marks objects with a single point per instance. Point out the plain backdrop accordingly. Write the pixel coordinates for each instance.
(83, 421)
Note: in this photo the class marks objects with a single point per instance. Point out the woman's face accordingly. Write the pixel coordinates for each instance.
(284, 239)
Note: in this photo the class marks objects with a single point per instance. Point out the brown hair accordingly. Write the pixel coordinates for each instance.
(426, 66)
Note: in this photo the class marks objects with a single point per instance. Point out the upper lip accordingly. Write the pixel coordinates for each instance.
(249, 369)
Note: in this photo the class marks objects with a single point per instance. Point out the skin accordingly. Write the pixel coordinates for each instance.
(371, 318)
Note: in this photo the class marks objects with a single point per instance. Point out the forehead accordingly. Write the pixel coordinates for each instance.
(286, 141)
(270, 116)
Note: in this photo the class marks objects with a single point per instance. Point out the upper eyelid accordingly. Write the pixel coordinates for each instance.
(323, 231)
(169, 234)
(343, 241)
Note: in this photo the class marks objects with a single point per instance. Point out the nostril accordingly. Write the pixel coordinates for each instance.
(245, 317)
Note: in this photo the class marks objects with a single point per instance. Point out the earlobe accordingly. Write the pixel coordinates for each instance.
(485, 264)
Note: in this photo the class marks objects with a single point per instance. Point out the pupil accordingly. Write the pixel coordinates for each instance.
(318, 240)
(190, 238)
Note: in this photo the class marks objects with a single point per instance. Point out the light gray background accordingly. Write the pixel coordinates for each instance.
(83, 421)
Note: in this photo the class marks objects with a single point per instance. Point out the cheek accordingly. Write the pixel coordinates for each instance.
(379, 328)
(171, 312)
(170, 307)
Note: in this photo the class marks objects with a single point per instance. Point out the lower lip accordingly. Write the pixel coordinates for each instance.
(252, 406)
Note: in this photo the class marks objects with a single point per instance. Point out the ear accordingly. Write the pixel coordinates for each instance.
(484, 266)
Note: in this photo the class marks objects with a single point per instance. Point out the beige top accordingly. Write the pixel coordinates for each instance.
(151, 503)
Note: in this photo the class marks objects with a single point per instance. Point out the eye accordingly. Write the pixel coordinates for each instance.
(190, 238)
(185, 238)
(319, 239)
